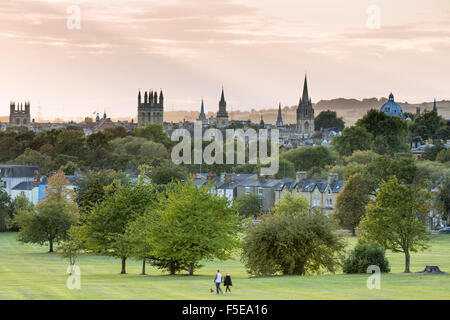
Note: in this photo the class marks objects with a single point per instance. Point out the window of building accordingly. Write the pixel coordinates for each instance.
(260, 191)
(247, 190)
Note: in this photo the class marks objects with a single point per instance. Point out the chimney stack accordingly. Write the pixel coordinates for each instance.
(332, 177)
(36, 178)
(229, 177)
(300, 176)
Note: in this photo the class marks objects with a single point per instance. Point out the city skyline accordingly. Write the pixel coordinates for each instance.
(257, 50)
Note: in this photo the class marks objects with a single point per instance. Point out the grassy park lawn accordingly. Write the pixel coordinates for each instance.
(29, 272)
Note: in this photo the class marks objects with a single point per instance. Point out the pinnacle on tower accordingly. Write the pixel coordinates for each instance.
(434, 105)
(222, 98)
(279, 117)
(202, 110)
(161, 97)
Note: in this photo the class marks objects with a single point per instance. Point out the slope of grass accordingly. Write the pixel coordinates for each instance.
(29, 272)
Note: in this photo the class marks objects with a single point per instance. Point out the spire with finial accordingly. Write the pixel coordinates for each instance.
(222, 97)
(434, 105)
(305, 95)
(139, 97)
(202, 115)
(279, 117)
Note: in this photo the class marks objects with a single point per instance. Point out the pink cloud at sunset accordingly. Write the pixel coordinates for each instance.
(259, 50)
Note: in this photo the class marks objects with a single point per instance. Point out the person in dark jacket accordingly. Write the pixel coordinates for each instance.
(227, 282)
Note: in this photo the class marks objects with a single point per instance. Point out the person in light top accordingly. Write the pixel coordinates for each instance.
(218, 281)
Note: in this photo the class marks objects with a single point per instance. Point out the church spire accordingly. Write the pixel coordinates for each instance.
(434, 105)
(305, 96)
(202, 116)
(279, 117)
(222, 98)
(202, 110)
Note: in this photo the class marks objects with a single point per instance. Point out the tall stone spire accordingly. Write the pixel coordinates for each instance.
(279, 117)
(305, 96)
(305, 113)
(434, 105)
(202, 115)
(222, 98)
(202, 110)
(222, 115)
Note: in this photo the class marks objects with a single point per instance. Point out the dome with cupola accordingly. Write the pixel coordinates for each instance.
(391, 108)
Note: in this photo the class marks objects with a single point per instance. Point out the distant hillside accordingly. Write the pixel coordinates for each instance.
(349, 109)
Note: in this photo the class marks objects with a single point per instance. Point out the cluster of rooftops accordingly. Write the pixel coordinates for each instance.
(233, 180)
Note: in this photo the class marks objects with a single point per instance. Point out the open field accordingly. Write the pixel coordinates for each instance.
(29, 272)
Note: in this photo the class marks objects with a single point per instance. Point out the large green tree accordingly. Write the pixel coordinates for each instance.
(192, 225)
(249, 205)
(5, 212)
(352, 139)
(389, 133)
(328, 119)
(305, 158)
(351, 202)
(291, 205)
(52, 217)
(396, 219)
(383, 167)
(427, 125)
(104, 228)
(18, 204)
(153, 132)
(33, 157)
(443, 198)
(292, 241)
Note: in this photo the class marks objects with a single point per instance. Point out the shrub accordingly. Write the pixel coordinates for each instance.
(365, 255)
(291, 245)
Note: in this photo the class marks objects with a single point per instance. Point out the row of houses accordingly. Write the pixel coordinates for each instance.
(26, 180)
(321, 193)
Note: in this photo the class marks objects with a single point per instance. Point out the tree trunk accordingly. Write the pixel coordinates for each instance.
(407, 261)
(353, 232)
(123, 266)
(172, 268)
(191, 269)
(51, 245)
(143, 267)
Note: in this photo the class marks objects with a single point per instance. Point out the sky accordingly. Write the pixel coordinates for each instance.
(74, 58)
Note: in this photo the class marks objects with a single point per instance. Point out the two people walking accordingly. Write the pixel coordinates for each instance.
(227, 282)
